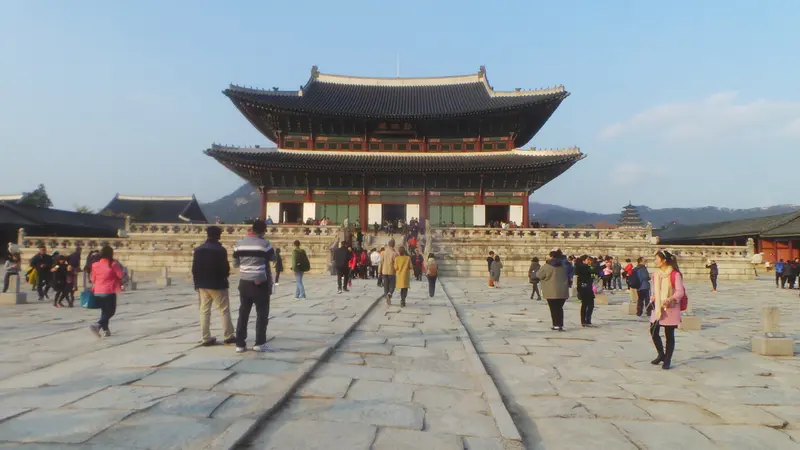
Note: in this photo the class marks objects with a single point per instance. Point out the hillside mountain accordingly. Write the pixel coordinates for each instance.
(243, 203)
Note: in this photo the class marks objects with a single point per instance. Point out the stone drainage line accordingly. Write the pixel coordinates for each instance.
(238, 435)
(508, 429)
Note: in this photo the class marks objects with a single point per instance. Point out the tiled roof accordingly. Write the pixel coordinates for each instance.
(788, 227)
(157, 209)
(730, 229)
(57, 221)
(338, 95)
(392, 162)
(12, 198)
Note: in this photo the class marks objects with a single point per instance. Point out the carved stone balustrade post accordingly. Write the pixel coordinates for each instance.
(772, 342)
(14, 296)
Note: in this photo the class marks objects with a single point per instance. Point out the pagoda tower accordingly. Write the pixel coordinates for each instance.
(630, 218)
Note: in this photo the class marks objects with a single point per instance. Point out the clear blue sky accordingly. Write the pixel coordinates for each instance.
(680, 103)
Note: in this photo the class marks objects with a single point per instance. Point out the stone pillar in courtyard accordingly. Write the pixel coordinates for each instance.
(772, 342)
(14, 296)
(131, 286)
(164, 279)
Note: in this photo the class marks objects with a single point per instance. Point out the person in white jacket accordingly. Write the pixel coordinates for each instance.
(374, 261)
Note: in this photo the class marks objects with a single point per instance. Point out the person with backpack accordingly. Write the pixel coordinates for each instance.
(668, 300)
(300, 265)
(341, 260)
(432, 272)
(533, 277)
(639, 279)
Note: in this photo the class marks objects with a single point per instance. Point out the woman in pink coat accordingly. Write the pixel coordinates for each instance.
(667, 291)
(106, 283)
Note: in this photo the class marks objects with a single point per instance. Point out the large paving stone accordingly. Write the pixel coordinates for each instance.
(125, 397)
(47, 397)
(455, 399)
(453, 380)
(317, 435)
(190, 402)
(418, 352)
(678, 412)
(62, 426)
(326, 387)
(381, 391)
(590, 390)
(609, 408)
(579, 434)
(246, 406)
(375, 413)
(185, 378)
(396, 439)
(461, 423)
(748, 437)
(661, 435)
(154, 430)
(205, 361)
(265, 366)
(357, 372)
(251, 384)
(366, 349)
(537, 407)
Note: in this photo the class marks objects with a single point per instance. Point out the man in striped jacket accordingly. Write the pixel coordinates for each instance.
(252, 256)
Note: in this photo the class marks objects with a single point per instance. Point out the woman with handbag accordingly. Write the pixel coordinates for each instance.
(668, 293)
(106, 284)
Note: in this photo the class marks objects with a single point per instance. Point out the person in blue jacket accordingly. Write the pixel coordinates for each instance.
(779, 273)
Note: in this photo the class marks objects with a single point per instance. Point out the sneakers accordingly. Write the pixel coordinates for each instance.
(241, 349)
(263, 348)
(229, 341)
(209, 342)
(388, 299)
(339, 292)
(107, 333)
(277, 284)
(557, 328)
(95, 328)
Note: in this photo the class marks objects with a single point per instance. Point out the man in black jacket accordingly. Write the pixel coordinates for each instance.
(210, 270)
(42, 262)
(341, 259)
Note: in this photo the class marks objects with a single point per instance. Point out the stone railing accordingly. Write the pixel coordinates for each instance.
(643, 235)
(194, 230)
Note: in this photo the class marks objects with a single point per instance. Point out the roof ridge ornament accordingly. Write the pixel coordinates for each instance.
(314, 72)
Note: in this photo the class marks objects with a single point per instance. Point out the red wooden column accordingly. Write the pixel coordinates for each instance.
(526, 219)
(362, 205)
(262, 211)
(479, 200)
(423, 206)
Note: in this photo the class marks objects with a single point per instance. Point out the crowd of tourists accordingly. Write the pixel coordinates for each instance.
(661, 295)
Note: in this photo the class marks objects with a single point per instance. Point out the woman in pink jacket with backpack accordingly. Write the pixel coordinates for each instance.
(106, 283)
(667, 299)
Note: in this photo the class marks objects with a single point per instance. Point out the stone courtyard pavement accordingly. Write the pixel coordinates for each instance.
(596, 388)
(352, 373)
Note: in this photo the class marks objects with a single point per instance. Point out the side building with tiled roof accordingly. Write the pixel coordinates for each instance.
(156, 209)
(374, 149)
(776, 237)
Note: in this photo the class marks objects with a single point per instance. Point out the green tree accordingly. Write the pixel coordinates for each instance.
(37, 197)
(83, 210)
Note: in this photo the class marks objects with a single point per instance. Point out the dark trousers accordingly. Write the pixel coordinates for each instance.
(373, 271)
(607, 282)
(277, 276)
(616, 282)
(783, 281)
(669, 332)
(778, 277)
(586, 296)
(791, 280)
(7, 280)
(418, 273)
(642, 299)
(251, 294)
(342, 277)
(714, 282)
(388, 284)
(535, 290)
(403, 295)
(557, 311)
(43, 287)
(431, 285)
(108, 307)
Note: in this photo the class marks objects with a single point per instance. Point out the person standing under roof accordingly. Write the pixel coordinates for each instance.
(210, 272)
(252, 255)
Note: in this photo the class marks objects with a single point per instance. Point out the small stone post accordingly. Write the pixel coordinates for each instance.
(633, 301)
(131, 281)
(14, 296)
(601, 299)
(772, 342)
(80, 281)
(164, 280)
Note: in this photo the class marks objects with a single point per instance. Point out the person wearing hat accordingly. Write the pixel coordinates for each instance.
(210, 271)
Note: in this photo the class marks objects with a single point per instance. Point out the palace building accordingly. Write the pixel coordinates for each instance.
(445, 149)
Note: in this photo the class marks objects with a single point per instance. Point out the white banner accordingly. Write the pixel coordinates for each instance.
(515, 214)
(412, 210)
(274, 211)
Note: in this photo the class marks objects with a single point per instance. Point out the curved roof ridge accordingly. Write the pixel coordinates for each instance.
(159, 198)
(395, 81)
(550, 151)
(532, 152)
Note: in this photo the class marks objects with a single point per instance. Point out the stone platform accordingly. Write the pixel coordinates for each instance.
(351, 375)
